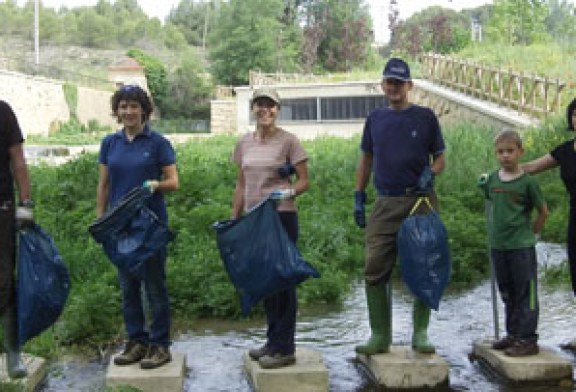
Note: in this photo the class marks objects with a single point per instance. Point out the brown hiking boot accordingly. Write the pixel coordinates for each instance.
(504, 343)
(522, 348)
(257, 353)
(274, 361)
(156, 357)
(133, 352)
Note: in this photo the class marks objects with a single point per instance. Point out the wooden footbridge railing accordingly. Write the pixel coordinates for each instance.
(528, 94)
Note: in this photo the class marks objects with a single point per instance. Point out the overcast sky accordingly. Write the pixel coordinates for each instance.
(379, 9)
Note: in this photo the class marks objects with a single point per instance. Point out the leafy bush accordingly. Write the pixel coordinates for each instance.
(156, 75)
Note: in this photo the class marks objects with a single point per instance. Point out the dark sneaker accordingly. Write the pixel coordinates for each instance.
(504, 343)
(522, 348)
(257, 353)
(156, 357)
(133, 352)
(274, 361)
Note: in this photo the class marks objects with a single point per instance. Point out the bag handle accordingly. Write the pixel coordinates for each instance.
(419, 201)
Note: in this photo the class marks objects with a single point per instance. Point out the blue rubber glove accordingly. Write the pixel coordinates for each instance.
(359, 209)
(282, 194)
(425, 183)
(286, 170)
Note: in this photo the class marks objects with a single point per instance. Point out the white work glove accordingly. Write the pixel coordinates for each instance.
(152, 185)
(282, 194)
(24, 216)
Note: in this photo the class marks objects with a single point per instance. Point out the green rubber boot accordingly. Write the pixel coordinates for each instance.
(13, 361)
(379, 298)
(421, 319)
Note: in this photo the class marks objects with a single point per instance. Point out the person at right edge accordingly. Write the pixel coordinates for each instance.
(513, 196)
(403, 144)
(563, 156)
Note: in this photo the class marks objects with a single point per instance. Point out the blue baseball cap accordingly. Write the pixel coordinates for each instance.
(396, 69)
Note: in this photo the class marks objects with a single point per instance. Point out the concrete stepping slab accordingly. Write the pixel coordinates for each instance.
(166, 378)
(546, 367)
(308, 374)
(404, 368)
(37, 370)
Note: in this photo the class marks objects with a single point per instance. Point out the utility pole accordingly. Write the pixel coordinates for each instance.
(37, 32)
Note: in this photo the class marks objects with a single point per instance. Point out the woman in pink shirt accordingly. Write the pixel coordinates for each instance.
(266, 158)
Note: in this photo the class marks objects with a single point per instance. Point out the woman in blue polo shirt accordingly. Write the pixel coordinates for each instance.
(133, 156)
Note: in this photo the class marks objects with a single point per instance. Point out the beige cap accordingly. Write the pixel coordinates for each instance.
(266, 93)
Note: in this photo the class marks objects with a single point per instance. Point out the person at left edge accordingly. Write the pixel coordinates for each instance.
(12, 168)
(133, 156)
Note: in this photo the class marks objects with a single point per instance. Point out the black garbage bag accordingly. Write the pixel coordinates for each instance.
(424, 255)
(131, 233)
(259, 256)
(43, 283)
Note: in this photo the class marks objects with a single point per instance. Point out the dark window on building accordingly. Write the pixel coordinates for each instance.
(332, 108)
(303, 109)
(349, 108)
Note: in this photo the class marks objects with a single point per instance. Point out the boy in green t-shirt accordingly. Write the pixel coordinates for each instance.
(513, 195)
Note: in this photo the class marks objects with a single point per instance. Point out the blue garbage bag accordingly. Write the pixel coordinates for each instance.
(424, 255)
(259, 256)
(43, 283)
(131, 233)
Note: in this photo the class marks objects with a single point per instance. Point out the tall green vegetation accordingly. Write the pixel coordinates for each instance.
(288, 36)
(189, 90)
(339, 31)
(516, 22)
(249, 35)
(434, 29)
(155, 72)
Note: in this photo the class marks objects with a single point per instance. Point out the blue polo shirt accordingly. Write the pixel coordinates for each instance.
(401, 143)
(131, 163)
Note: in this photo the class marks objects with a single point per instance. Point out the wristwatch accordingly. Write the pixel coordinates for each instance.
(28, 203)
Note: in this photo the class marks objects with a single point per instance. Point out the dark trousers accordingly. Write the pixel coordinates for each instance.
(133, 309)
(281, 307)
(516, 275)
(7, 254)
(571, 245)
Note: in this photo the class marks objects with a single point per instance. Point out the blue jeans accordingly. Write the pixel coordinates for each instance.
(133, 308)
(281, 307)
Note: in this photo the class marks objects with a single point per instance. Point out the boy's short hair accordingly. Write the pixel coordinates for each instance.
(132, 92)
(508, 135)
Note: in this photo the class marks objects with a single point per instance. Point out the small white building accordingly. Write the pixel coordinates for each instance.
(308, 110)
(127, 71)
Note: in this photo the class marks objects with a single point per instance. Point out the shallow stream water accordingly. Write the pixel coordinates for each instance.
(214, 348)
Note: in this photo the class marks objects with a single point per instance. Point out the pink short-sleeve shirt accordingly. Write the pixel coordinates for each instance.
(260, 159)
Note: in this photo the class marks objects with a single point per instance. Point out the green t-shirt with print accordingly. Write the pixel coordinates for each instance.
(510, 215)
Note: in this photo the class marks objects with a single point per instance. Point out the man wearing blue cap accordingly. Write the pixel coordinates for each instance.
(403, 144)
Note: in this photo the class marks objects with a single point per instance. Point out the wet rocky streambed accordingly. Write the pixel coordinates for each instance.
(214, 348)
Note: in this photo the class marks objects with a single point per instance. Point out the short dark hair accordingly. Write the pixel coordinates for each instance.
(569, 110)
(132, 92)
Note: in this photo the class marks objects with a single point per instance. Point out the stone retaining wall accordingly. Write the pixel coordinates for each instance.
(40, 104)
